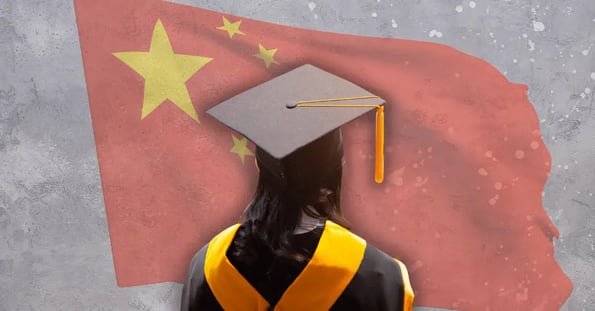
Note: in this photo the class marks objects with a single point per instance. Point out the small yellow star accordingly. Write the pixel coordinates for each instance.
(231, 28)
(240, 147)
(267, 55)
(165, 73)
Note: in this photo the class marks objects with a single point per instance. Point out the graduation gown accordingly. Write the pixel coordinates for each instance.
(344, 273)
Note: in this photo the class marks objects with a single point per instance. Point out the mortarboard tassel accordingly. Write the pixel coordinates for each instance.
(379, 169)
(379, 165)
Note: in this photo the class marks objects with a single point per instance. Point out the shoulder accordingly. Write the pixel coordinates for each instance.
(196, 293)
(198, 259)
(220, 239)
(373, 257)
(381, 283)
(196, 267)
(376, 261)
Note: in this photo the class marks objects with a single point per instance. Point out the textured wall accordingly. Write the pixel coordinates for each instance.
(54, 244)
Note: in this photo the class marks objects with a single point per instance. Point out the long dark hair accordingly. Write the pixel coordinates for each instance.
(309, 181)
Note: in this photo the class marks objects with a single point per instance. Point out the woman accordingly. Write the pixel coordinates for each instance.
(292, 251)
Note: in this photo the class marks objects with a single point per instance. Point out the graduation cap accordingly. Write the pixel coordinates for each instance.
(302, 109)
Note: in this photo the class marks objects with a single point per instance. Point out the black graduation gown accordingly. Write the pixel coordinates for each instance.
(344, 273)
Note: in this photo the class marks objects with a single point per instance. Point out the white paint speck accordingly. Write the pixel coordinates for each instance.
(531, 45)
(315, 16)
(538, 26)
(374, 14)
(565, 167)
(482, 171)
(532, 60)
(519, 154)
(587, 90)
(435, 33)
(494, 200)
(534, 145)
(472, 4)
(585, 52)
(583, 95)
(459, 8)
(514, 60)
(525, 35)
(311, 5)
(394, 24)
(593, 75)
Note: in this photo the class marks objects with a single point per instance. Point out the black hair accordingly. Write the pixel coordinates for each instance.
(309, 181)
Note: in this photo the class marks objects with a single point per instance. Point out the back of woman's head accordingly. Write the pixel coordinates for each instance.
(308, 180)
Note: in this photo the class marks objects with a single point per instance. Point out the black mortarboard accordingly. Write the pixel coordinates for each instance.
(303, 106)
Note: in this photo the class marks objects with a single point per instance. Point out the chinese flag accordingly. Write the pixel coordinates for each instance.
(465, 163)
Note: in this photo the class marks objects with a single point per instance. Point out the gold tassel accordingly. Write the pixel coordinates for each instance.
(379, 165)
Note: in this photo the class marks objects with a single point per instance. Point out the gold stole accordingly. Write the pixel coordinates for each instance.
(331, 268)
(408, 296)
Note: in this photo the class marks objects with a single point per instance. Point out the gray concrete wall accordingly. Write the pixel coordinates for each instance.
(54, 245)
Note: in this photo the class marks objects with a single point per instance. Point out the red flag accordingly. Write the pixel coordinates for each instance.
(465, 163)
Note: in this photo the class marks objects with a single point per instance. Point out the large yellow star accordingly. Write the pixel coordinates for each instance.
(267, 55)
(240, 147)
(165, 73)
(231, 28)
